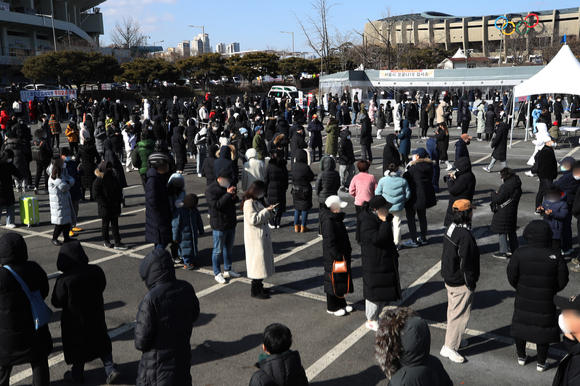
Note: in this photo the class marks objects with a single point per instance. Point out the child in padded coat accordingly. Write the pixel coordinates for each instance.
(187, 226)
(554, 209)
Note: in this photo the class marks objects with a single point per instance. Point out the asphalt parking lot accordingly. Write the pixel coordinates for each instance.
(226, 339)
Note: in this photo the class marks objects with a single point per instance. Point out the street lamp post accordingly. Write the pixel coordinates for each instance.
(154, 43)
(202, 34)
(292, 33)
(53, 31)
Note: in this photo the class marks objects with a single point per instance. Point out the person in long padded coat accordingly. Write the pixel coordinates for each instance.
(537, 272)
(225, 160)
(157, 207)
(327, 182)
(405, 142)
(178, 145)
(276, 180)
(391, 152)
(111, 156)
(505, 220)
(79, 292)
(258, 237)
(158, 129)
(461, 185)
(62, 213)
(302, 177)
(335, 247)
(164, 323)
(366, 138)
(442, 137)
(207, 166)
(499, 145)
(380, 259)
(490, 119)
(402, 346)
(89, 158)
(20, 342)
(109, 195)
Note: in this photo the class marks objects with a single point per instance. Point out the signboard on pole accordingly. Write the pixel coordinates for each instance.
(41, 95)
(406, 74)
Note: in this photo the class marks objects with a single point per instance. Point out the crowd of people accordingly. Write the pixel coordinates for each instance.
(261, 144)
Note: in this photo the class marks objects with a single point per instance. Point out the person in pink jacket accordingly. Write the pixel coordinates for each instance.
(362, 188)
(372, 111)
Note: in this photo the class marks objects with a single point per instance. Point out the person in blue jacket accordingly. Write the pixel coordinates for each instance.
(536, 115)
(554, 209)
(187, 226)
(434, 155)
(405, 141)
(569, 183)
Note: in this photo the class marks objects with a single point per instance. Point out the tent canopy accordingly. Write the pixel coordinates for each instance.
(560, 76)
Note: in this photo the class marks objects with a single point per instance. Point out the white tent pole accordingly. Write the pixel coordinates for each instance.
(528, 118)
(513, 116)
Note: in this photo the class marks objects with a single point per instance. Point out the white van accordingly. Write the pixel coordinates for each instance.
(279, 92)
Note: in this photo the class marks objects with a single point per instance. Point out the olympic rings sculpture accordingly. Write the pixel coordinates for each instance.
(516, 27)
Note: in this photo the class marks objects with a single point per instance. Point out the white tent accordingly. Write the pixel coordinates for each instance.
(560, 76)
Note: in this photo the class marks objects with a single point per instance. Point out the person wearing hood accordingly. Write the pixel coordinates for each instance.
(504, 205)
(7, 200)
(42, 154)
(499, 145)
(461, 185)
(402, 347)
(278, 365)
(79, 292)
(327, 181)
(157, 206)
(546, 168)
(22, 157)
(190, 133)
(460, 271)
(490, 122)
(20, 342)
(537, 272)
(380, 121)
(200, 142)
(72, 168)
(366, 138)
(568, 371)
(158, 130)
(111, 156)
(282, 127)
(164, 323)
(297, 141)
(395, 189)
(187, 226)
(226, 156)
(140, 155)
(302, 177)
(405, 137)
(62, 213)
(178, 146)
(434, 156)
(333, 131)
(276, 179)
(442, 137)
(108, 193)
(391, 153)
(176, 193)
(481, 120)
(315, 128)
(253, 170)
(380, 259)
(554, 209)
(277, 144)
(335, 248)
(207, 168)
(461, 149)
(129, 141)
(346, 160)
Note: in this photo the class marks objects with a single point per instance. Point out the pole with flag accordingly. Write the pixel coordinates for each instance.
(563, 39)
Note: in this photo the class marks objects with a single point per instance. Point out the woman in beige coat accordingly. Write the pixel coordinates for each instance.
(257, 237)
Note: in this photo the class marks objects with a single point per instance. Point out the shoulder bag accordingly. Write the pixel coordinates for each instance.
(340, 267)
(41, 313)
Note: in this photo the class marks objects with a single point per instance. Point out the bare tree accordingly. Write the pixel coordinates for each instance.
(316, 30)
(127, 34)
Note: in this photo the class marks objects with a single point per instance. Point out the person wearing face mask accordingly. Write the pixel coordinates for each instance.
(461, 149)
(546, 168)
(108, 193)
(72, 168)
(221, 200)
(569, 183)
(558, 110)
(258, 237)
(461, 185)
(7, 200)
(504, 205)
(259, 144)
(380, 259)
(537, 272)
(568, 373)
(554, 209)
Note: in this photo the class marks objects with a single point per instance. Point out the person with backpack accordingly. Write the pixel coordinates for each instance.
(41, 154)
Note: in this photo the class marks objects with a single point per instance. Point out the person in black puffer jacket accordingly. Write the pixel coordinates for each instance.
(190, 132)
(391, 152)
(111, 156)
(537, 272)
(79, 292)
(505, 219)
(20, 342)
(327, 182)
(278, 365)
(108, 193)
(207, 166)
(164, 324)
(276, 180)
(461, 186)
(158, 228)
(346, 159)
(227, 155)
(158, 130)
(178, 146)
(302, 177)
(89, 158)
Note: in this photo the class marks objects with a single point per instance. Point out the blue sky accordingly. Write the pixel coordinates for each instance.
(256, 24)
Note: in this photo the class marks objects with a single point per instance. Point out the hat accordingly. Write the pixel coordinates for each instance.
(465, 136)
(243, 131)
(421, 152)
(555, 123)
(379, 202)
(570, 160)
(335, 200)
(571, 303)
(225, 173)
(314, 116)
(257, 128)
(462, 205)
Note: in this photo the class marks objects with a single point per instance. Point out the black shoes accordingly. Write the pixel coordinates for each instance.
(113, 376)
(68, 377)
(58, 244)
(502, 256)
(121, 247)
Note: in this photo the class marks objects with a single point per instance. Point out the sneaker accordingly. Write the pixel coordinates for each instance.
(449, 168)
(479, 139)
(537, 213)
(349, 309)
(488, 170)
(399, 247)
(231, 273)
(464, 343)
(112, 377)
(10, 226)
(121, 247)
(502, 256)
(108, 245)
(543, 367)
(372, 325)
(56, 242)
(177, 261)
(575, 261)
(75, 229)
(277, 226)
(127, 170)
(220, 279)
(189, 267)
(411, 244)
(199, 175)
(452, 355)
(523, 361)
(337, 313)
(68, 378)
(568, 252)
(71, 234)
(529, 173)
(421, 241)
(575, 268)
(272, 226)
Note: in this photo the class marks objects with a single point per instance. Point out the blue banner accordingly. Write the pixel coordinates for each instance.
(41, 95)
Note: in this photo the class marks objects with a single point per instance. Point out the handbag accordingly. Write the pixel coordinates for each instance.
(41, 313)
(340, 267)
(298, 192)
